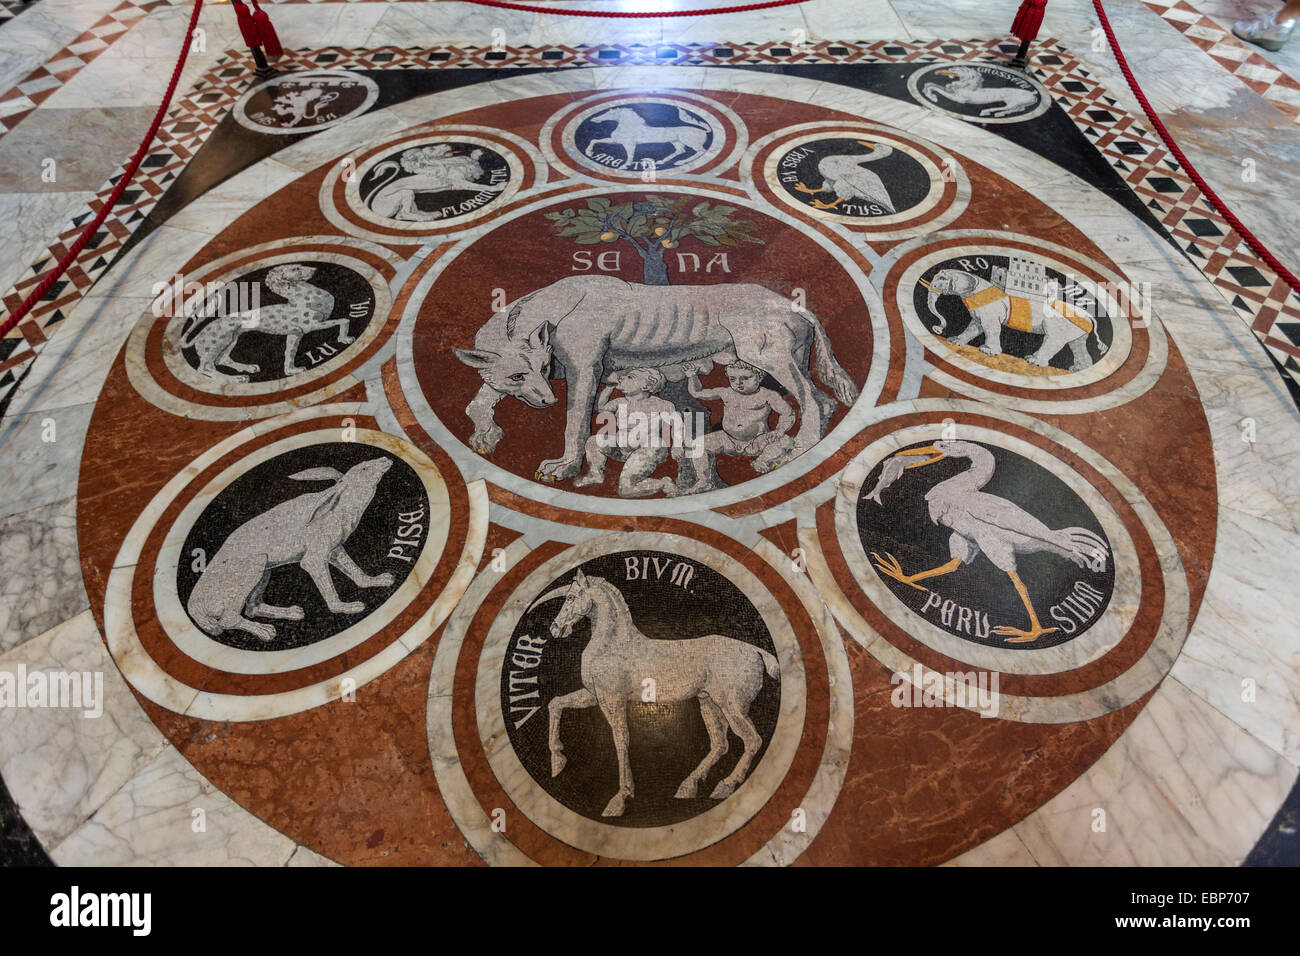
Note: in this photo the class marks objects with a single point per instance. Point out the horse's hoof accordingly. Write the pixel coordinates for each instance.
(723, 790)
(558, 761)
(614, 808)
(685, 791)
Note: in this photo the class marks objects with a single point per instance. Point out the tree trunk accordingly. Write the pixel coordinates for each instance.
(654, 269)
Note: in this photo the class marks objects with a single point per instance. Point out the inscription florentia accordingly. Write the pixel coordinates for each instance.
(434, 182)
(640, 688)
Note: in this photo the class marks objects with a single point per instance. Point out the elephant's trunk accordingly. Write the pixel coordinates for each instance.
(931, 305)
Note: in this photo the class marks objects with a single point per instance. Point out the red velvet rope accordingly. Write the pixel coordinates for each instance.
(1258, 247)
(562, 12)
(53, 276)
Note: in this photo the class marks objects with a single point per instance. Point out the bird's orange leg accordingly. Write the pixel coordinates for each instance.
(818, 204)
(889, 565)
(1015, 635)
(800, 187)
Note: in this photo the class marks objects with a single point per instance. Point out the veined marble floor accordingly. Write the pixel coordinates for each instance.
(772, 438)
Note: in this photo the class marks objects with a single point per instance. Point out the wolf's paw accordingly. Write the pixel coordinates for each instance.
(485, 440)
(558, 469)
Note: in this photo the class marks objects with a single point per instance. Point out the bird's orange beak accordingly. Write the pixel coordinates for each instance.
(927, 450)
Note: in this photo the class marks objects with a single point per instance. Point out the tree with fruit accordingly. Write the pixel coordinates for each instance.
(653, 226)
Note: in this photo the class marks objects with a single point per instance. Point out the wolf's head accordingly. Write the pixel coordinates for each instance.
(520, 370)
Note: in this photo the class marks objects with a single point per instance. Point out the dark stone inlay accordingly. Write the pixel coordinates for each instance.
(860, 177)
(979, 294)
(980, 513)
(653, 135)
(434, 182)
(309, 101)
(671, 601)
(306, 313)
(361, 512)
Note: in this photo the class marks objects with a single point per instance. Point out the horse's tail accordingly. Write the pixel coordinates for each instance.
(770, 663)
(830, 371)
(687, 121)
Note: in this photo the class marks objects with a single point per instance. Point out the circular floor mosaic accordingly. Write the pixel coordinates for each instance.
(603, 470)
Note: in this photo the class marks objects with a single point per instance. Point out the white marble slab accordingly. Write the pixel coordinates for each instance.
(1184, 786)
(40, 572)
(151, 821)
(59, 765)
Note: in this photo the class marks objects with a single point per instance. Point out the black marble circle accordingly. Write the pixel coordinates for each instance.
(296, 513)
(668, 740)
(221, 338)
(1079, 295)
(976, 597)
(294, 103)
(978, 91)
(836, 172)
(643, 136)
(447, 181)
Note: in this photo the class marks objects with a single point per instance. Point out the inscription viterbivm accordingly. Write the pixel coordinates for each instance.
(985, 544)
(640, 688)
(303, 546)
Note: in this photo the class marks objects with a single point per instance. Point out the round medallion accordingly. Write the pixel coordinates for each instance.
(640, 657)
(271, 323)
(438, 181)
(866, 177)
(641, 348)
(305, 102)
(304, 568)
(644, 136)
(854, 178)
(640, 696)
(985, 544)
(431, 181)
(1015, 313)
(275, 526)
(979, 92)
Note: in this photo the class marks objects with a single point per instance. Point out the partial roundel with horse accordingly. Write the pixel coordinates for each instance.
(661, 655)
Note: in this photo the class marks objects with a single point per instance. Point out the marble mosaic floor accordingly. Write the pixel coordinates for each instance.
(783, 438)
